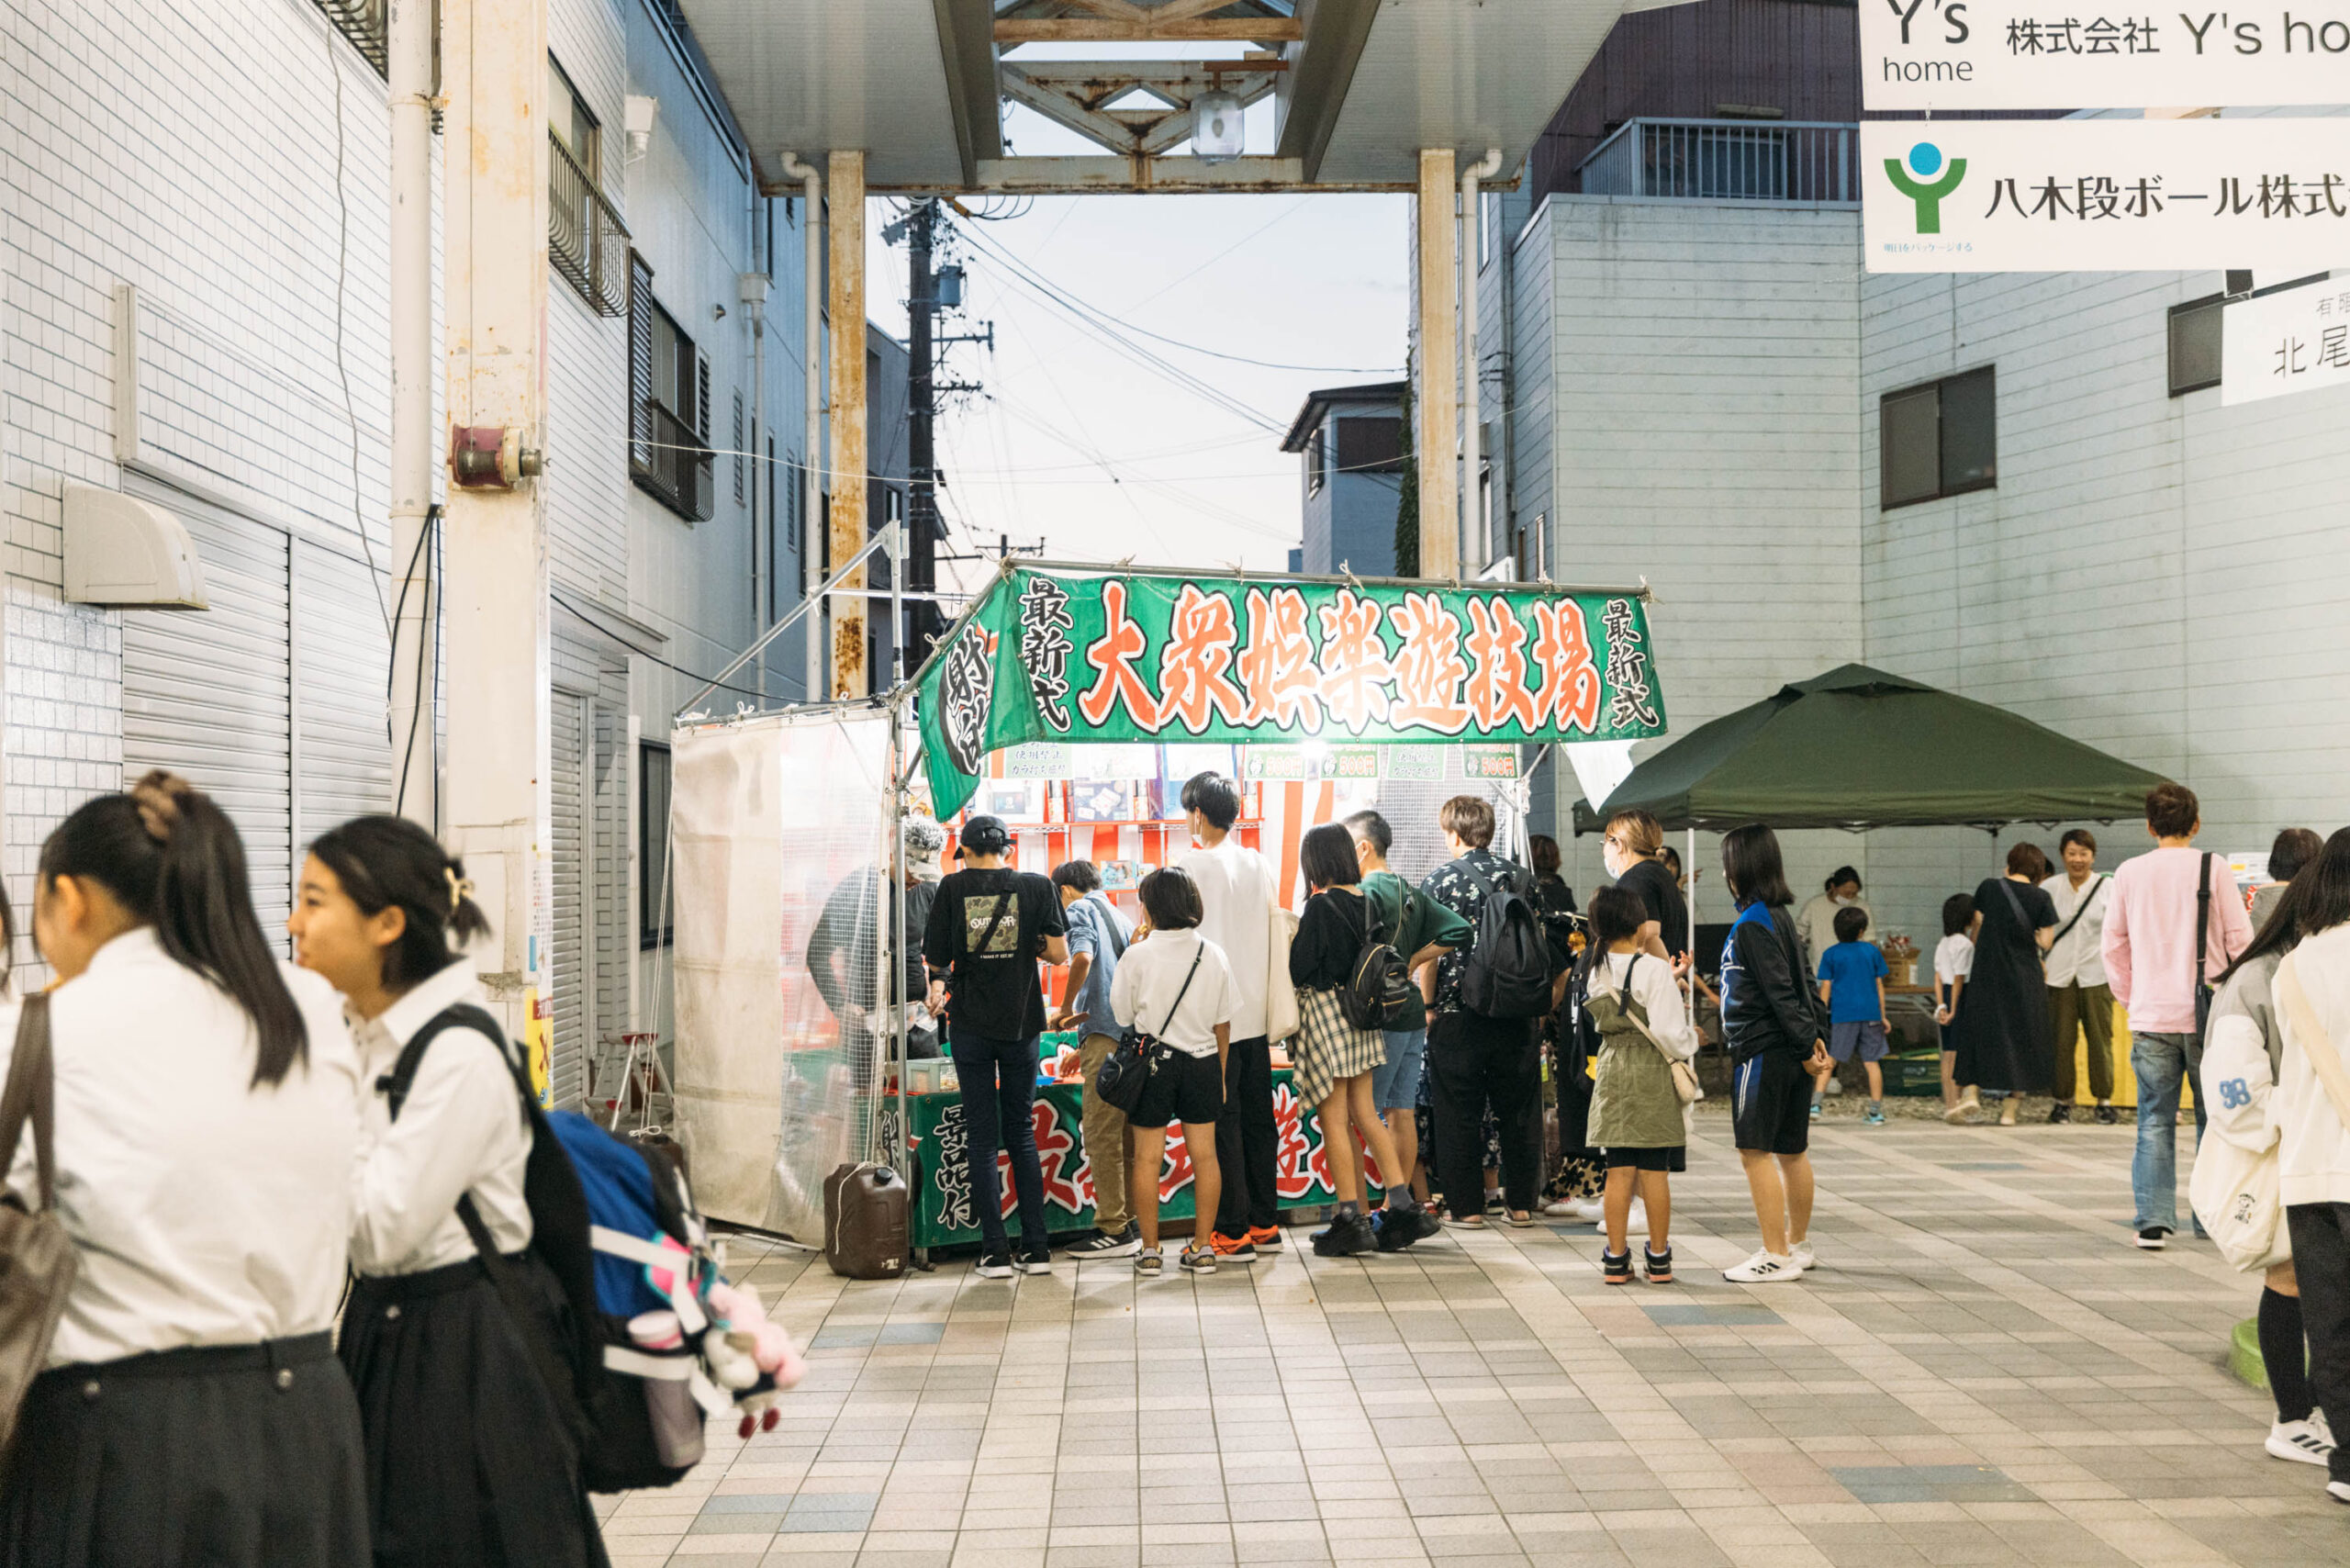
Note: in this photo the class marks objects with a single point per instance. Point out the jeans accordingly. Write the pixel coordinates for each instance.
(1248, 1146)
(1395, 1083)
(999, 1079)
(1473, 1061)
(2321, 1234)
(2161, 1063)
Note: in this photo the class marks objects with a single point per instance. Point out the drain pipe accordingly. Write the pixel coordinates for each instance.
(1473, 520)
(811, 185)
(414, 449)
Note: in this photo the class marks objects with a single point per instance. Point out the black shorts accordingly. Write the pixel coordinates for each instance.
(1674, 1158)
(1183, 1088)
(1771, 1104)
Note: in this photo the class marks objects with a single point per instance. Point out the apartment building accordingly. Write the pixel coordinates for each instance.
(196, 318)
(2022, 488)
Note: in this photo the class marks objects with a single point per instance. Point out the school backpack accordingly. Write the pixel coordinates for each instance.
(1508, 973)
(617, 1226)
(1379, 986)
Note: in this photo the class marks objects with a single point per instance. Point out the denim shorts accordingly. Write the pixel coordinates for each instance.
(1395, 1083)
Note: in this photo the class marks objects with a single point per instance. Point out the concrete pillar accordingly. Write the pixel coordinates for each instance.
(844, 181)
(499, 808)
(1437, 369)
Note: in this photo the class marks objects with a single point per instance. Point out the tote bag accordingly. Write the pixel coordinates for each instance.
(37, 1258)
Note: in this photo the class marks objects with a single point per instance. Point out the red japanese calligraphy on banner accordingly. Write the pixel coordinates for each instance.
(1429, 670)
(1057, 1153)
(1112, 658)
(1277, 665)
(1195, 661)
(1355, 667)
(1498, 695)
(1569, 696)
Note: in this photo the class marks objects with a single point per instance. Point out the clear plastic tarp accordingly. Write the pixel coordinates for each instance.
(781, 831)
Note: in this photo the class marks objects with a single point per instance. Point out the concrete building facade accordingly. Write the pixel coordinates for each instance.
(1348, 441)
(196, 313)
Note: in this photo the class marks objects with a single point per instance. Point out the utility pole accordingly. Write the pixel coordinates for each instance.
(921, 413)
(494, 265)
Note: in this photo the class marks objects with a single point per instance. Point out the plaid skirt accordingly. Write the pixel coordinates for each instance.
(1327, 1048)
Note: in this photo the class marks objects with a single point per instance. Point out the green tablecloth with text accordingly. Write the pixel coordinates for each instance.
(943, 1210)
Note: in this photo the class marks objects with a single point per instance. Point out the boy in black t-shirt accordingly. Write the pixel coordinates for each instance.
(988, 925)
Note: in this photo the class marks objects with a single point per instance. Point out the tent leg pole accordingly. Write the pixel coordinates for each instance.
(1689, 863)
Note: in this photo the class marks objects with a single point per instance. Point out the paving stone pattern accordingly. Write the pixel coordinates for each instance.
(1982, 1372)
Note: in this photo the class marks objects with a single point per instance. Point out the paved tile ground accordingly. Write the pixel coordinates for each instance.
(1982, 1372)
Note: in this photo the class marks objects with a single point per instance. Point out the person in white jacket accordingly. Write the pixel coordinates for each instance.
(2311, 1111)
(2242, 1049)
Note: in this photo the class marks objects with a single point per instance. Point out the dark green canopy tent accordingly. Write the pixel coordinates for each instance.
(1857, 748)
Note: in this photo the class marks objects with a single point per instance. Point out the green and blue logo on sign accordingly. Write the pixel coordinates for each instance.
(1916, 177)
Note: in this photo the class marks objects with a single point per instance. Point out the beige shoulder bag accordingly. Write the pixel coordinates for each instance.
(37, 1258)
(2325, 1059)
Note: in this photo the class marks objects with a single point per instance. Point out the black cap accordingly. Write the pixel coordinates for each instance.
(985, 836)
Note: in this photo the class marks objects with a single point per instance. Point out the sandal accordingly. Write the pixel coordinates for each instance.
(1467, 1222)
(1518, 1219)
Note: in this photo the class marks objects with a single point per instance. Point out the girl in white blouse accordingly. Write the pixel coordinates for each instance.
(193, 1410)
(469, 1458)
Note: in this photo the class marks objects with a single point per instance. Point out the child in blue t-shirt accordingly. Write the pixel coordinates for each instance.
(1851, 981)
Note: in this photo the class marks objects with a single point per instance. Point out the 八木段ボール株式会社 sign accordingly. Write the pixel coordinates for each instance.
(2105, 194)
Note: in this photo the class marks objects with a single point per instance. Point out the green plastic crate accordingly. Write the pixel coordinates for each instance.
(1916, 1074)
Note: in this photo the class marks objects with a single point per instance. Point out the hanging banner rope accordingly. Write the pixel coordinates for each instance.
(1123, 656)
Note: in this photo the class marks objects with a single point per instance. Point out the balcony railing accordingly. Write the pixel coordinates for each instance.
(1795, 161)
(669, 462)
(361, 21)
(585, 239)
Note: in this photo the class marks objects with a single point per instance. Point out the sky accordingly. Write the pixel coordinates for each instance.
(1075, 442)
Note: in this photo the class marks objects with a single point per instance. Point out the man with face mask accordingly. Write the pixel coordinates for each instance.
(1816, 924)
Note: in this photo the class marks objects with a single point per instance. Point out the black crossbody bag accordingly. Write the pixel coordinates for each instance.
(1124, 1074)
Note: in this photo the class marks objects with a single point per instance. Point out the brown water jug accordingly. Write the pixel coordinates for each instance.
(866, 1223)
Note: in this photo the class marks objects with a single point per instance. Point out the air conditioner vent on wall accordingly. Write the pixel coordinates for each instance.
(129, 553)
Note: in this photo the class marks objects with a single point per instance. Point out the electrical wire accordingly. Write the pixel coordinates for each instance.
(342, 280)
(647, 652)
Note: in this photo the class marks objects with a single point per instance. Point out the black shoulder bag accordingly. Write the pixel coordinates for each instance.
(1124, 1074)
(2202, 992)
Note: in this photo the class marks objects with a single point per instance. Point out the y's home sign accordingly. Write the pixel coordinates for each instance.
(2039, 54)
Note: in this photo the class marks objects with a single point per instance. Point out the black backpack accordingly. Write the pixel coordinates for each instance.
(1507, 974)
(1379, 987)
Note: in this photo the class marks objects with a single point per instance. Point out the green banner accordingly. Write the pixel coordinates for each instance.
(1061, 657)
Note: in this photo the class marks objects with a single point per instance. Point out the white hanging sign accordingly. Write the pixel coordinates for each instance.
(2297, 340)
(2105, 194)
(2029, 54)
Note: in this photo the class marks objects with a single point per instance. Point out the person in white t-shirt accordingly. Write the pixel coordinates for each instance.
(1954, 962)
(1237, 898)
(1175, 985)
(2078, 999)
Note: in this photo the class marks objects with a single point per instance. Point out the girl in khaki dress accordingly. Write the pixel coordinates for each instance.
(1636, 1115)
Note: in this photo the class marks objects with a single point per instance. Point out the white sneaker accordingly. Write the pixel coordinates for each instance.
(2338, 1490)
(1563, 1208)
(1764, 1269)
(1801, 1252)
(2304, 1442)
(1637, 1222)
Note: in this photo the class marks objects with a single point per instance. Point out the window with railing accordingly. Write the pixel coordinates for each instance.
(1779, 160)
(586, 243)
(669, 455)
(362, 22)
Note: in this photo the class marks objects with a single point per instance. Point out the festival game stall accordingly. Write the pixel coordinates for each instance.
(1073, 701)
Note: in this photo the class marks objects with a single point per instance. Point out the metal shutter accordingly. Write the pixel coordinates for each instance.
(609, 911)
(340, 657)
(206, 693)
(568, 952)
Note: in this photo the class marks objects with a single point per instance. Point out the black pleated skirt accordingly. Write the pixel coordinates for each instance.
(468, 1465)
(243, 1456)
